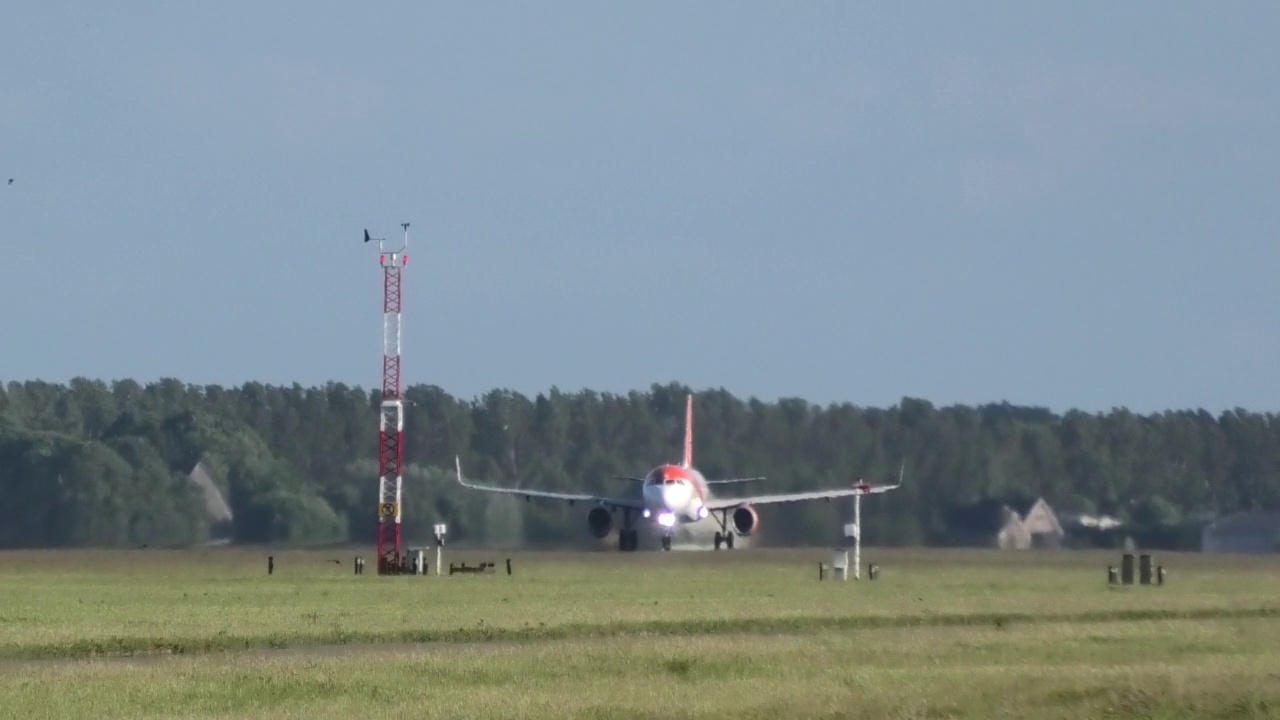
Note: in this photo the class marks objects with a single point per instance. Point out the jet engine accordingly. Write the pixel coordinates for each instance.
(600, 521)
(745, 520)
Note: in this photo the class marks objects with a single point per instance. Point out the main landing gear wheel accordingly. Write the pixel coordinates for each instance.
(725, 539)
(628, 540)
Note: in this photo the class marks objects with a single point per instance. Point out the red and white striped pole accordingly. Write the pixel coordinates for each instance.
(391, 413)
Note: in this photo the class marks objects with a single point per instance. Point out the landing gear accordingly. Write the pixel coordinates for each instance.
(666, 541)
(726, 537)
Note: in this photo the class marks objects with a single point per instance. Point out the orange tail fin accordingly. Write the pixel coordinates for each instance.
(688, 430)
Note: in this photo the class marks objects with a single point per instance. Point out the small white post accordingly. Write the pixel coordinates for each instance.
(857, 537)
(440, 530)
(840, 564)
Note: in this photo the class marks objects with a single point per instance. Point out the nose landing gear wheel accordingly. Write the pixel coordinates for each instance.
(666, 542)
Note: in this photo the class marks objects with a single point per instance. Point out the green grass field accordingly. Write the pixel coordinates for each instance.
(740, 634)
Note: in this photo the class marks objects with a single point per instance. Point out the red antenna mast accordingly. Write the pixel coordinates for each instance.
(391, 561)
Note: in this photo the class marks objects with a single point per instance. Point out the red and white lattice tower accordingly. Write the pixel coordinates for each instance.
(391, 413)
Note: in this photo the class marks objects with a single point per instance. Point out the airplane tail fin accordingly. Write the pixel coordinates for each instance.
(688, 430)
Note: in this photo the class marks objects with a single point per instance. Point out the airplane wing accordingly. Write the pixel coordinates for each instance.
(634, 503)
(860, 488)
(733, 480)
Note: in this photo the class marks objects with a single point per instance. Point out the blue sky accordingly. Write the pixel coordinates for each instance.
(1068, 205)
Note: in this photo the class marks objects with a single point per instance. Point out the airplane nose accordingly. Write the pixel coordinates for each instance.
(673, 496)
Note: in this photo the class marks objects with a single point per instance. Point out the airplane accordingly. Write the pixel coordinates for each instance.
(678, 493)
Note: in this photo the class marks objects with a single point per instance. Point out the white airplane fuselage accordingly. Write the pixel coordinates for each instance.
(674, 493)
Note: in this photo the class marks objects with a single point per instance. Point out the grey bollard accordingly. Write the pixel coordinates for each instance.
(1144, 569)
(1113, 575)
(873, 571)
(1159, 574)
(508, 566)
(821, 570)
(271, 564)
(1126, 569)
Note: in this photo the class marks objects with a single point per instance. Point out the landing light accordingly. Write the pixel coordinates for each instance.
(702, 512)
(666, 519)
(646, 512)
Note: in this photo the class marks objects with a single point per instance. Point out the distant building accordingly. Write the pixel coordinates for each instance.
(217, 511)
(1008, 526)
(1245, 532)
(989, 523)
(1041, 524)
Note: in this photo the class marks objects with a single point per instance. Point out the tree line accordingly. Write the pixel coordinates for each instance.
(92, 463)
